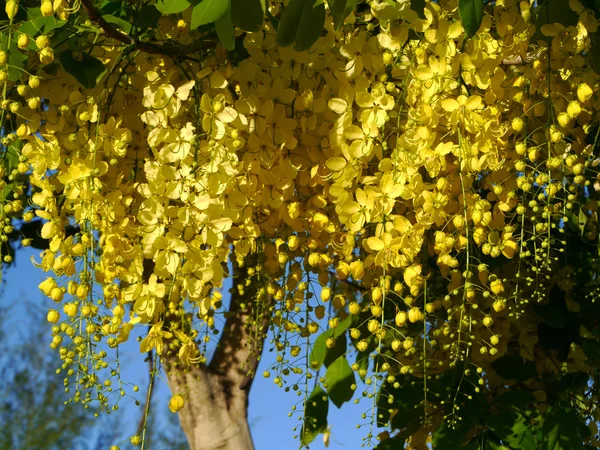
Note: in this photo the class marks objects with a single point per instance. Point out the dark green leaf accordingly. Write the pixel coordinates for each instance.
(340, 9)
(553, 315)
(321, 354)
(514, 430)
(395, 443)
(86, 71)
(447, 437)
(311, 24)
(471, 15)
(552, 11)
(248, 14)
(512, 367)
(120, 23)
(591, 348)
(172, 6)
(514, 398)
(16, 59)
(208, 11)
(224, 28)
(340, 378)
(315, 415)
(418, 6)
(561, 425)
(289, 22)
(148, 16)
(301, 23)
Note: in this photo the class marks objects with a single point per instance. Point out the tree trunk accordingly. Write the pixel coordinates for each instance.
(213, 418)
(215, 415)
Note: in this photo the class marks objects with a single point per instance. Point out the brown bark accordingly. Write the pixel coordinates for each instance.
(215, 415)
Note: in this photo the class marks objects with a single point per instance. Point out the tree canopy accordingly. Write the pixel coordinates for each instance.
(405, 192)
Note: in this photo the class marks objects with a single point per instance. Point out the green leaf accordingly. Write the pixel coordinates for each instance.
(471, 15)
(446, 437)
(514, 430)
(311, 24)
(418, 6)
(340, 9)
(340, 378)
(120, 23)
(172, 6)
(208, 11)
(87, 71)
(16, 59)
(512, 367)
(514, 398)
(315, 415)
(11, 157)
(248, 14)
(224, 28)
(561, 425)
(301, 23)
(147, 17)
(321, 354)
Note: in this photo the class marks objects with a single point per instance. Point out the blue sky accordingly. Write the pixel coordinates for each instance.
(269, 404)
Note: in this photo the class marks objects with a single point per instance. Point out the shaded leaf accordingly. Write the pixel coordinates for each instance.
(562, 426)
(340, 378)
(172, 6)
(340, 9)
(315, 415)
(321, 354)
(471, 15)
(208, 11)
(86, 71)
(512, 367)
(301, 23)
(248, 14)
(224, 28)
(148, 16)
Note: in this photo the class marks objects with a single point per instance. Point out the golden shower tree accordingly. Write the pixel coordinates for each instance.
(404, 193)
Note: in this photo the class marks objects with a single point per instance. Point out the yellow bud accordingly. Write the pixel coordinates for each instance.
(46, 8)
(70, 309)
(176, 403)
(42, 41)
(23, 41)
(408, 344)
(373, 326)
(355, 333)
(517, 124)
(396, 345)
(488, 321)
(415, 315)
(376, 295)
(584, 92)
(400, 319)
(46, 55)
(11, 9)
(293, 242)
(354, 308)
(3, 57)
(34, 82)
(497, 287)
(325, 293)
(362, 345)
(499, 305)
(495, 339)
(313, 327)
(53, 316)
(47, 285)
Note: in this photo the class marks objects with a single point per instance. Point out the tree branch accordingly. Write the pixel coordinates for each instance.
(170, 50)
(239, 352)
